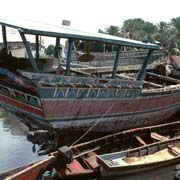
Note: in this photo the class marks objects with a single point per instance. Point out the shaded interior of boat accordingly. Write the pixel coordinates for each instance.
(155, 78)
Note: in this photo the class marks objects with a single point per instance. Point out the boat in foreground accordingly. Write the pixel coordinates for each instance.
(52, 96)
(147, 148)
(140, 159)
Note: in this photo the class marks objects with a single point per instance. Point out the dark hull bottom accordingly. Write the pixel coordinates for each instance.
(115, 124)
(71, 130)
(71, 135)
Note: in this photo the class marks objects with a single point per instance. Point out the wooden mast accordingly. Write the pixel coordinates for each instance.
(142, 72)
(4, 38)
(28, 49)
(116, 62)
(69, 53)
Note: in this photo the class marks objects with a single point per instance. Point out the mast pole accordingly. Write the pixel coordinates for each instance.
(4, 38)
(29, 52)
(69, 53)
(116, 62)
(37, 46)
(142, 73)
(57, 46)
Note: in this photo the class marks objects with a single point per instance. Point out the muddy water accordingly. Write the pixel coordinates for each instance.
(15, 150)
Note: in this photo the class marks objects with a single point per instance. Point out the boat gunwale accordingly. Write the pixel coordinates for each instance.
(105, 165)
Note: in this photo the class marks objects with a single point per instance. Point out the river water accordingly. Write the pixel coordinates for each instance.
(16, 151)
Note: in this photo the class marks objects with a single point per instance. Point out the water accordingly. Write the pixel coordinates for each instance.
(15, 150)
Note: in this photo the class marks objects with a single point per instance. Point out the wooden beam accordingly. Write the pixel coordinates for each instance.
(140, 140)
(37, 46)
(29, 52)
(57, 47)
(4, 38)
(146, 82)
(176, 81)
(116, 62)
(76, 71)
(158, 137)
(108, 69)
(69, 53)
(142, 72)
(175, 149)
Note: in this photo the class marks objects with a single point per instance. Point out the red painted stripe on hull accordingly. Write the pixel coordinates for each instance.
(22, 106)
(75, 108)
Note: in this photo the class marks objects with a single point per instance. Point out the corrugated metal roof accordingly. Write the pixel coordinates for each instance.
(45, 29)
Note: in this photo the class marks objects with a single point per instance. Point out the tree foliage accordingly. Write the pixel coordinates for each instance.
(113, 30)
(166, 33)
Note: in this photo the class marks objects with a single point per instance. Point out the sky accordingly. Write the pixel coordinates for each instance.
(90, 15)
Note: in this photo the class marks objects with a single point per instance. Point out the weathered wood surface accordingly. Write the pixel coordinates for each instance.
(108, 69)
(158, 137)
(173, 80)
(146, 82)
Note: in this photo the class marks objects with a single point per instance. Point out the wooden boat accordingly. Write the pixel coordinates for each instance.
(91, 159)
(131, 58)
(140, 159)
(72, 100)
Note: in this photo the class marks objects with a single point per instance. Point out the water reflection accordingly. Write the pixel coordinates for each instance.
(15, 150)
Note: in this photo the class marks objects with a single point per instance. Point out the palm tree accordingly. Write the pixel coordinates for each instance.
(175, 22)
(163, 33)
(133, 28)
(113, 30)
(175, 25)
(149, 29)
(162, 26)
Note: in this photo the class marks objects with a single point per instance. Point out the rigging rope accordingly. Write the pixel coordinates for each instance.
(93, 125)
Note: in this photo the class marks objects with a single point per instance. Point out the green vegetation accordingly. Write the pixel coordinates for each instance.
(167, 34)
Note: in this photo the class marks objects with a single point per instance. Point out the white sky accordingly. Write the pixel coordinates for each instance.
(90, 15)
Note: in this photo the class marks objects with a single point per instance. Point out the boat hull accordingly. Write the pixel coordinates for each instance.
(107, 106)
(121, 172)
(108, 115)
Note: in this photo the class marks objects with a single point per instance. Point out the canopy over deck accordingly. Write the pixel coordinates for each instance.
(44, 29)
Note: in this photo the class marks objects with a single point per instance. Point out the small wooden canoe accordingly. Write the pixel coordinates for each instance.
(140, 159)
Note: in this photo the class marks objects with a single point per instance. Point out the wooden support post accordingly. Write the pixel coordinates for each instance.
(116, 62)
(4, 38)
(57, 47)
(28, 49)
(142, 72)
(37, 46)
(69, 53)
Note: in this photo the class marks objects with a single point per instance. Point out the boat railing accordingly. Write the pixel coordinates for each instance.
(124, 136)
(103, 159)
(149, 149)
(162, 89)
(54, 80)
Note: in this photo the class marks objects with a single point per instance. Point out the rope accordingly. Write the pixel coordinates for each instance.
(93, 125)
